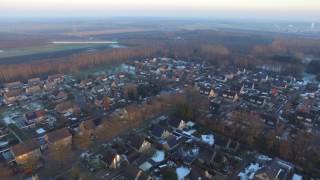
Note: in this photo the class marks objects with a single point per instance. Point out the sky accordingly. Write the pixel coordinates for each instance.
(303, 9)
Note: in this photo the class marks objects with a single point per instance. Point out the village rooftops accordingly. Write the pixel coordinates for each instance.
(25, 147)
(55, 77)
(276, 169)
(35, 114)
(109, 156)
(16, 84)
(34, 81)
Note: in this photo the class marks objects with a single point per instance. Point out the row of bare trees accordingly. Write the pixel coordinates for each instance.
(71, 63)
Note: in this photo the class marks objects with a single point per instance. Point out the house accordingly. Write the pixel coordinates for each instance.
(33, 81)
(66, 107)
(205, 90)
(177, 123)
(34, 85)
(13, 86)
(86, 83)
(49, 85)
(56, 78)
(59, 96)
(35, 116)
(111, 159)
(58, 138)
(255, 100)
(277, 169)
(159, 133)
(98, 89)
(248, 85)
(30, 89)
(26, 151)
(237, 88)
(102, 78)
(306, 119)
(139, 143)
(229, 75)
(230, 95)
(279, 84)
(52, 81)
(12, 96)
(212, 94)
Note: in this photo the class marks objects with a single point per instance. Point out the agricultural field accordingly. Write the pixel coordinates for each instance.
(45, 49)
(52, 50)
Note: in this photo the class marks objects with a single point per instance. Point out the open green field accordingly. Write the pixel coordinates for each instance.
(50, 48)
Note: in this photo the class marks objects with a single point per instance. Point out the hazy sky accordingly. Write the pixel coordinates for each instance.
(304, 9)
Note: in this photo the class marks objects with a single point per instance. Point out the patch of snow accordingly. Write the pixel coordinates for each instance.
(7, 120)
(190, 124)
(249, 172)
(40, 131)
(158, 156)
(145, 166)
(308, 78)
(191, 131)
(208, 138)
(264, 158)
(182, 172)
(296, 177)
